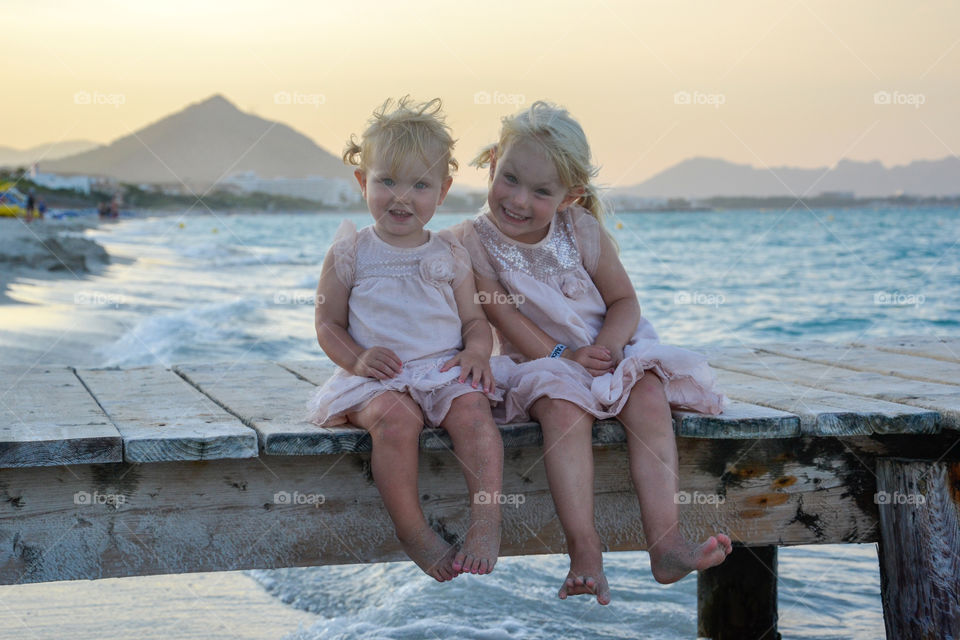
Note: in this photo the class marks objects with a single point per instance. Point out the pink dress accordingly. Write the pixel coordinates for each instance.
(401, 299)
(552, 284)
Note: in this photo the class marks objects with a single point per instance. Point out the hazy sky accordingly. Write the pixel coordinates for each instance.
(769, 83)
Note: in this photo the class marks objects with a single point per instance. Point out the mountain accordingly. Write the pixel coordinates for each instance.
(708, 177)
(10, 157)
(203, 143)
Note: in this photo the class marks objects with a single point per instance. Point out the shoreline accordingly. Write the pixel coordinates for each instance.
(47, 249)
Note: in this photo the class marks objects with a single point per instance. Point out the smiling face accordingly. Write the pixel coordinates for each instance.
(402, 199)
(525, 191)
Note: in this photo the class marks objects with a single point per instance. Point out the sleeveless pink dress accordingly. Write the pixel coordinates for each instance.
(402, 299)
(551, 280)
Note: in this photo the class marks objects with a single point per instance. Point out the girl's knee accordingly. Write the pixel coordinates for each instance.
(396, 433)
(650, 380)
(561, 414)
(393, 411)
(471, 404)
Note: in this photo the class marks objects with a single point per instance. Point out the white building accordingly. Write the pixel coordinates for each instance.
(57, 181)
(334, 192)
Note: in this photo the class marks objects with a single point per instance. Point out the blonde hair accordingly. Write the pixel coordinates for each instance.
(564, 142)
(393, 134)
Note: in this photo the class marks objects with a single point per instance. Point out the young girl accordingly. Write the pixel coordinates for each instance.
(397, 311)
(585, 350)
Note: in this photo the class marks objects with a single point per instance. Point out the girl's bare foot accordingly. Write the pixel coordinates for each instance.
(480, 547)
(673, 558)
(586, 573)
(431, 553)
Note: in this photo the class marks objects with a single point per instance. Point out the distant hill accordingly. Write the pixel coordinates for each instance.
(203, 143)
(709, 177)
(14, 158)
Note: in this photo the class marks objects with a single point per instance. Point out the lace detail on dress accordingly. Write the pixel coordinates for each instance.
(558, 254)
(381, 260)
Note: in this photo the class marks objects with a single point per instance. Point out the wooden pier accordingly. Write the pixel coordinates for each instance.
(210, 467)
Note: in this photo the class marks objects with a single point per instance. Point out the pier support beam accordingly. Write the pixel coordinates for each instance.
(738, 599)
(919, 504)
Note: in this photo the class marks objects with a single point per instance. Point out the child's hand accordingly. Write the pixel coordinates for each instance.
(616, 353)
(472, 366)
(595, 359)
(377, 362)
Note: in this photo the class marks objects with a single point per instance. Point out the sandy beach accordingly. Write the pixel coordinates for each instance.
(47, 249)
(210, 606)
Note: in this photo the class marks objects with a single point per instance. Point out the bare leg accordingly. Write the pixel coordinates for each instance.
(654, 470)
(568, 457)
(394, 422)
(478, 447)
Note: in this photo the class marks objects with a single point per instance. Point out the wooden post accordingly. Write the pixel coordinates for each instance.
(738, 599)
(919, 504)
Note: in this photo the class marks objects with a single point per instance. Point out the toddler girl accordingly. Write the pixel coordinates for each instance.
(566, 310)
(397, 311)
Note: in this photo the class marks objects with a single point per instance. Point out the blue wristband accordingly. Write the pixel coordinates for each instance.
(558, 350)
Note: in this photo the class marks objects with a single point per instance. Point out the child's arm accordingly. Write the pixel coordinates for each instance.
(532, 341)
(330, 319)
(623, 309)
(474, 360)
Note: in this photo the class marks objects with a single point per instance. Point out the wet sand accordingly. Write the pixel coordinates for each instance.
(51, 248)
(205, 606)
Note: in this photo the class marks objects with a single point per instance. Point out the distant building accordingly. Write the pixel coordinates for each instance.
(334, 192)
(837, 195)
(78, 183)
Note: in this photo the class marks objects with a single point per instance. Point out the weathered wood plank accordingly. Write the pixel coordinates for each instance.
(936, 347)
(942, 398)
(863, 358)
(920, 547)
(94, 521)
(740, 420)
(269, 399)
(47, 417)
(162, 417)
(738, 599)
(827, 413)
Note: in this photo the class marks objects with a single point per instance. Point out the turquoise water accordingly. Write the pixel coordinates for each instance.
(235, 287)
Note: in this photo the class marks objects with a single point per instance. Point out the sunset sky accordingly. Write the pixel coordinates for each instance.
(769, 83)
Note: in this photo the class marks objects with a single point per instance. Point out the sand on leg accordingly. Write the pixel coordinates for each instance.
(394, 421)
(654, 470)
(568, 458)
(479, 449)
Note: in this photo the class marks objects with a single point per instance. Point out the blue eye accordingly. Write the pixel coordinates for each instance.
(510, 178)
(388, 182)
(543, 192)
(420, 185)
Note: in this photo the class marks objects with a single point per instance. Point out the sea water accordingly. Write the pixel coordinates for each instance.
(201, 288)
